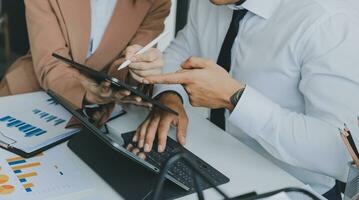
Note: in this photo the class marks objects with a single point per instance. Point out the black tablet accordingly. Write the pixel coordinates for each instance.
(115, 83)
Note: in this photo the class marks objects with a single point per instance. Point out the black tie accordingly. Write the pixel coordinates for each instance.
(224, 60)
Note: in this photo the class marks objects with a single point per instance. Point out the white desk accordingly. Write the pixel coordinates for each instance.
(247, 170)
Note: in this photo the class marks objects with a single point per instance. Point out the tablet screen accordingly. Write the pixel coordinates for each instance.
(123, 145)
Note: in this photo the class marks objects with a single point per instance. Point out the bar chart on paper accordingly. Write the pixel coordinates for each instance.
(52, 101)
(33, 120)
(30, 130)
(40, 177)
(18, 165)
(48, 117)
(27, 129)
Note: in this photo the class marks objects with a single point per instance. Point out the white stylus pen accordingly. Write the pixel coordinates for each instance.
(144, 49)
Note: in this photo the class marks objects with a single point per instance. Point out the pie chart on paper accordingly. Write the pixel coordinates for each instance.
(6, 189)
(3, 178)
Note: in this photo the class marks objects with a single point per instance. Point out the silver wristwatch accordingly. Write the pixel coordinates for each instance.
(236, 96)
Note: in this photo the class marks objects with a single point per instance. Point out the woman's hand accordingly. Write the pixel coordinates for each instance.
(101, 93)
(99, 115)
(146, 64)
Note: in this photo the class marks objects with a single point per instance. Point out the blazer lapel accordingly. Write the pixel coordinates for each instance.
(77, 17)
(126, 20)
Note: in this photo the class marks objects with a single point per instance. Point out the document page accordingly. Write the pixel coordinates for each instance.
(47, 175)
(31, 121)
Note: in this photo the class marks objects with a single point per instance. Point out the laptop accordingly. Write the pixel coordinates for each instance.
(128, 174)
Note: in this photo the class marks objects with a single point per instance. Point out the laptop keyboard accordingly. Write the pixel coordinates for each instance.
(179, 170)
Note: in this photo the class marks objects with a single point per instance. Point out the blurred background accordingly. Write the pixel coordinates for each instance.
(13, 34)
(14, 40)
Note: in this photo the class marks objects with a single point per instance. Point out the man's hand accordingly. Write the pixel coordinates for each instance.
(135, 150)
(146, 64)
(160, 121)
(207, 84)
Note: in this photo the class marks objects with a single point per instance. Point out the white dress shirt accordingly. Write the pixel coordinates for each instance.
(300, 61)
(355, 4)
(101, 13)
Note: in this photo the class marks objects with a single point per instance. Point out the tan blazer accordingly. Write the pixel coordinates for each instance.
(63, 26)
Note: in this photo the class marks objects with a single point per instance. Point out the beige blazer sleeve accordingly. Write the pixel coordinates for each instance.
(45, 37)
(153, 24)
(151, 27)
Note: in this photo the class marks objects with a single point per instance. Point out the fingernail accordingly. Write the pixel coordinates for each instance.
(145, 81)
(135, 138)
(161, 148)
(129, 147)
(135, 151)
(142, 156)
(183, 140)
(147, 148)
(140, 143)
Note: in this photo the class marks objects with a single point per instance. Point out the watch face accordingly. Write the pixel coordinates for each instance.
(236, 96)
(239, 94)
(234, 99)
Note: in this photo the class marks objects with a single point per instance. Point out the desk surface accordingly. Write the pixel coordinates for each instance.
(247, 170)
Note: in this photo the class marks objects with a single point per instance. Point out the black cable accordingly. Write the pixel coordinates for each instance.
(197, 186)
(286, 190)
(184, 156)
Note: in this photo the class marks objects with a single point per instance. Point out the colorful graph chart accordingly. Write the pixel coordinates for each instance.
(28, 129)
(44, 176)
(3, 178)
(48, 117)
(4, 187)
(18, 164)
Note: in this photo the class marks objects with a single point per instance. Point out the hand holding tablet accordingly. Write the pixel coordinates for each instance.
(116, 84)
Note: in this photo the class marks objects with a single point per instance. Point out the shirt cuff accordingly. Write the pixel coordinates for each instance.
(161, 88)
(252, 112)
